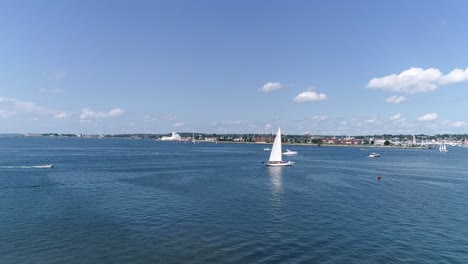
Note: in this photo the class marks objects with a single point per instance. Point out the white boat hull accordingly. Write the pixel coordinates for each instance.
(279, 164)
(289, 153)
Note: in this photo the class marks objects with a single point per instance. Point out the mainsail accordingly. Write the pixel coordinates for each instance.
(276, 152)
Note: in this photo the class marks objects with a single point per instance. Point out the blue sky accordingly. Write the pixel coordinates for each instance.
(319, 67)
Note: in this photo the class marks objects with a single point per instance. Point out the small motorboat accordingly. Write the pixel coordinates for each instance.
(290, 153)
(47, 166)
(374, 155)
(266, 149)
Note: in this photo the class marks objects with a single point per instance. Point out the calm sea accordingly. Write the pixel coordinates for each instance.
(141, 201)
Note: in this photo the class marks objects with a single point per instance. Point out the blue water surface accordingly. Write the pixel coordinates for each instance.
(142, 201)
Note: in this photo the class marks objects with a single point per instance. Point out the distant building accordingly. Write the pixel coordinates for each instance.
(342, 141)
(263, 139)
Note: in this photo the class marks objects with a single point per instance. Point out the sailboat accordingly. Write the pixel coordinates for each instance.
(442, 147)
(276, 157)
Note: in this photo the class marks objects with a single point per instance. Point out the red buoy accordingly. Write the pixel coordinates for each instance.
(378, 177)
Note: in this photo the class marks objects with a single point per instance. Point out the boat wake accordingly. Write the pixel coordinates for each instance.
(46, 166)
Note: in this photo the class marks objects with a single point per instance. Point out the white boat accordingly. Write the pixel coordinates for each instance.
(173, 137)
(290, 153)
(47, 166)
(276, 157)
(443, 147)
(374, 155)
(267, 149)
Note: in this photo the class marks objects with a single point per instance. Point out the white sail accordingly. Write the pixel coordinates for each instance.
(443, 147)
(276, 151)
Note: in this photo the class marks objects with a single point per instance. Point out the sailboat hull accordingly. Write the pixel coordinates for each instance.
(279, 164)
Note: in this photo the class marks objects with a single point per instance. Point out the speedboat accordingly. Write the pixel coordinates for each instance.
(266, 149)
(374, 155)
(47, 166)
(290, 153)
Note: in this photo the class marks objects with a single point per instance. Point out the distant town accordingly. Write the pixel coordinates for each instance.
(418, 140)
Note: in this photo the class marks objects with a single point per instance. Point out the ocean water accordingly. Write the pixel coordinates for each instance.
(141, 201)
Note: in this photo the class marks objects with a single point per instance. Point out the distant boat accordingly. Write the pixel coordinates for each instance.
(267, 149)
(276, 158)
(290, 153)
(374, 155)
(173, 137)
(47, 166)
(443, 147)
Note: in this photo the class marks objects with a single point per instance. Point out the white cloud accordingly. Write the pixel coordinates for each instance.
(62, 115)
(270, 86)
(428, 117)
(395, 99)
(87, 114)
(455, 76)
(179, 124)
(310, 97)
(395, 117)
(398, 119)
(368, 121)
(17, 106)
(455, 124)
(319, 118)
(417, 80)
(22, 106)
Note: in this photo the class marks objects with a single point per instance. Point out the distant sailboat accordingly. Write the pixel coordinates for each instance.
(442, 147)
(276, 158)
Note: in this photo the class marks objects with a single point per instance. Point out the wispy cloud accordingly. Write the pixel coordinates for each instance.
(160, 117)
(234, 122)
(5, 113)
(428, 117)
(396, 117)
(456, 124)
(88, 114)
(319, 118)
(368, 121)
(417, 80)
(179, 124)
(395, 99)
(271, 86)
(310, 96)
(15, 106)
(62, 115)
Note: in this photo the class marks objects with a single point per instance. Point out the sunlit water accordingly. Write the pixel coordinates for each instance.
(140, 201)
